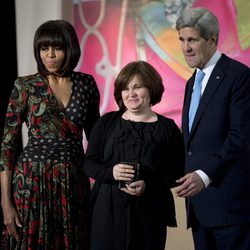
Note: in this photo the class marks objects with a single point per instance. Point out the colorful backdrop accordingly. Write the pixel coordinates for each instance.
(115, 32)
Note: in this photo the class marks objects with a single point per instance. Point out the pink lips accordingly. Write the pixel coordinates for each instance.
(51, 62)
(133, 100)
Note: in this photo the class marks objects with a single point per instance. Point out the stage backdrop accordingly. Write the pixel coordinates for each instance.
(115, 32)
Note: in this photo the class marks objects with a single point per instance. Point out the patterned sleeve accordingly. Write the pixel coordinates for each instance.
(93, 113)
(12, 138)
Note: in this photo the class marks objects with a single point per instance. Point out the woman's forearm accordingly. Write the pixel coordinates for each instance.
(6, 188)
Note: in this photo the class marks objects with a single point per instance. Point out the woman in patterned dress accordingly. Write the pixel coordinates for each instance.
(44, 189)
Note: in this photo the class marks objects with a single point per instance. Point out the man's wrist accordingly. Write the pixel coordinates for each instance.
(205, 178)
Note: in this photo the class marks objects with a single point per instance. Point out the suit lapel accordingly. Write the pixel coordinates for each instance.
(213, 83)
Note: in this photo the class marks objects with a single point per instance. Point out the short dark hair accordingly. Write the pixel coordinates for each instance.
(149, 77)
(57, 33)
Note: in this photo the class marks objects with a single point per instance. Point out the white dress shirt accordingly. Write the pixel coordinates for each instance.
(208, 71)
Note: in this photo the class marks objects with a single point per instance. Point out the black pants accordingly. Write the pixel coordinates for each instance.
(234, 237)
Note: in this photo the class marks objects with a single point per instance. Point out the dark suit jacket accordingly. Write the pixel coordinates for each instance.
(219, 144)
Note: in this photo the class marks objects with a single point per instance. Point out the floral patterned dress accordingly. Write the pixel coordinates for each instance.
(50, 190)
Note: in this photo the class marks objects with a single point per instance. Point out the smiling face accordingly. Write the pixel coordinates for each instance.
(135, 96)
(52, 58)
(197, 50)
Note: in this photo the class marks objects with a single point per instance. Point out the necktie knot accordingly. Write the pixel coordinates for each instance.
(195, 97)
(199, 77)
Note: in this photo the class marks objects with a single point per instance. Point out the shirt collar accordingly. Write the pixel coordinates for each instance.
(212, 62)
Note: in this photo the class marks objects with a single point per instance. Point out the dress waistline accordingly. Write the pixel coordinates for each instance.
(52, 148)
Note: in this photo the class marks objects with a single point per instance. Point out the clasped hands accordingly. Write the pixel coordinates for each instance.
(125, 172)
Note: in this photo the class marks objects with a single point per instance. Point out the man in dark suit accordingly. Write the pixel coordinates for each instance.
(217, 181)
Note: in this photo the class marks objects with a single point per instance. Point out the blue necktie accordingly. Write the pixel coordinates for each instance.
(196, 96)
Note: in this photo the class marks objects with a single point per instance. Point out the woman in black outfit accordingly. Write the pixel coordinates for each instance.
(134, 215)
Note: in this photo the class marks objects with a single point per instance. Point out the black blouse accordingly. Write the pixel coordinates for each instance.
(157, 147)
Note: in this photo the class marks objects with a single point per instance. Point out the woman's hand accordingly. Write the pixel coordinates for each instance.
(11, 220)
(135, 188)
(123, 172)
(10, 217)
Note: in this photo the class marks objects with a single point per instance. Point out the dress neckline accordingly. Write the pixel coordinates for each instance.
(139, 122)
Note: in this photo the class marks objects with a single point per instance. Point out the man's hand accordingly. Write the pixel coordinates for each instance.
(191, 184)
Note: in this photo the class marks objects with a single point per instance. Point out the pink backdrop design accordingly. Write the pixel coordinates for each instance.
(113, 33)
